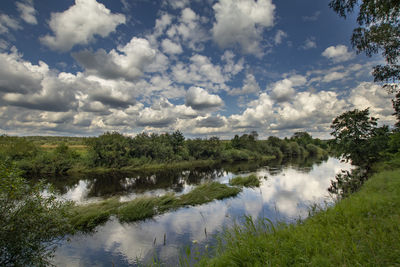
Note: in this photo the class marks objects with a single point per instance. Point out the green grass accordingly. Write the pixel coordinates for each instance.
(361, 230)
(207, 192)
(247, 181)
(87, 217)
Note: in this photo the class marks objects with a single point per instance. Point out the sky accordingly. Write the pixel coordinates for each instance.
(204, 67)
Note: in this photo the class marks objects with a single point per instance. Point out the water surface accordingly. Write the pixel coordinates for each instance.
(285, 194)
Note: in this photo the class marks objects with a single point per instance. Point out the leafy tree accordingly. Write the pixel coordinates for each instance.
(110, 149)
(378, 30)
(30, 223)
(357, 139)
(396, 107)
(302, 138)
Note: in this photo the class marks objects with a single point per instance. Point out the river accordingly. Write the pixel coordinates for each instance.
(286, 193)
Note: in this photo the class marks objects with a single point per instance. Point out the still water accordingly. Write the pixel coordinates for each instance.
(286, 193)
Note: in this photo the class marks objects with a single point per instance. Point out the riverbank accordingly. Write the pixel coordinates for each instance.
(150, 167)
(86, 217)
(361, 230)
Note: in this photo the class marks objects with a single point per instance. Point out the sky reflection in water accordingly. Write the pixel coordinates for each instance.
(285, 194)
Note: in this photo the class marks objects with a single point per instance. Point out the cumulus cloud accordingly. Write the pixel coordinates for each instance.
(259, 113)
(242, 23)
(308, 110)
(79, 24)
(170, 47)
(201, 71)
(164, 114)
(210, 122)
(19, 76)
(250, 86)
(53, 96)
(33, 86)
(27, 11)
(338, 53)
(334, 76)
(7, 22)
(231, 67)
(368, 94)
(200, 99)
(188, 30)
(283, 90)
(309, 43)
(279, 36)
(178, 4)
(127, 62)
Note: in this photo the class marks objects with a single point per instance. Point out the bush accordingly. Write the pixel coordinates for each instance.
(30, 224)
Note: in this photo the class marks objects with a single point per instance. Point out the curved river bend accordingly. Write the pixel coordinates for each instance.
(285, 194)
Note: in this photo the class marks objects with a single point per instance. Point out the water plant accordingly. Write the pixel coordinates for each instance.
(247, 181)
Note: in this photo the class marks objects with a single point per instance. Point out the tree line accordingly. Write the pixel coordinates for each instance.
(115, 150)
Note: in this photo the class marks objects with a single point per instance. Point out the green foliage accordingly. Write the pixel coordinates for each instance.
(248, 181)
(396, 107)
(113, 150)
(16, 148)
(208, 192)
(362, 230)
(30, 223)
(378, 31)
(358, 139)
(87, 217)
(110, 149)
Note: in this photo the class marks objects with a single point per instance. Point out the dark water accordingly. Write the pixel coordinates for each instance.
(286, 192)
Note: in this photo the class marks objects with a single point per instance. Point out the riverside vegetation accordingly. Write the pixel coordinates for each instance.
(112, 151)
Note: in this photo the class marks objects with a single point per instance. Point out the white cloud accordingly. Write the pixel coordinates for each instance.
(259, 113)
(201, 71)
(19, 76)
(127, 62)
(27, 11)
(170, 47)
(188, 30)
(79, 25)
(368, 94)
(279, 36)
(178, 4)
(250, 86)
(283, 90)
(313, 17)
(338, 53)
(308, 110)
(164, 114)
(242, 23)
(230, 67)
(7, 22)
(162, 23)
(309, 43)
(333, 76)
(200, 99)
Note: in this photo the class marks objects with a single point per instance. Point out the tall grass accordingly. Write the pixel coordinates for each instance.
(361, 230)
(87, 217)
(247, 181)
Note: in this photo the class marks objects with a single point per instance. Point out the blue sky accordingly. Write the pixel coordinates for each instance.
(206, 68)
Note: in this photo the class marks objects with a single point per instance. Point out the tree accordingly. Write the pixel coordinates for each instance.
(378, 30)
(110, 149)
(357, 139)
(396, 107)
(30, 223)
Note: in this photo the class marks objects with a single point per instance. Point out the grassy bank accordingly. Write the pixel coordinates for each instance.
(87, 217)
(248, 181)
(147, 167)
(362, 230)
